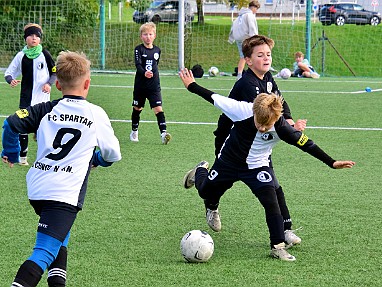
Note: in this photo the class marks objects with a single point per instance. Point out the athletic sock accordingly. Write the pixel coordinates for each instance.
(135, 117)
(23, 138)
(57, 270)
(161, 122)
(29, 275)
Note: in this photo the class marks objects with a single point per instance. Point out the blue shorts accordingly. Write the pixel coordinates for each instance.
(240, 48)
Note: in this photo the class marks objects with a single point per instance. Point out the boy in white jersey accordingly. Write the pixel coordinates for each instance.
(68, 131)
(38, 71)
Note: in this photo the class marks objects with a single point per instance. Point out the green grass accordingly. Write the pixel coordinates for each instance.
(136, 211)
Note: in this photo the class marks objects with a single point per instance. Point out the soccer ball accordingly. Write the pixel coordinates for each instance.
(197, 246)
(213, 72)
(285, 73)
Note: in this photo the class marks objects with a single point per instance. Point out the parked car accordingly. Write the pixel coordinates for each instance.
(163, 11)
(347, 13)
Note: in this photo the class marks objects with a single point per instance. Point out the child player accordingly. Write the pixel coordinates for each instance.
(68, 131)
(147, 83)
(38, 71)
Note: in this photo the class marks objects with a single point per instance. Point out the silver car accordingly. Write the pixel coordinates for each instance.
(163, 11)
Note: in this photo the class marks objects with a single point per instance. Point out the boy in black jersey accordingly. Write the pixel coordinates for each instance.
(258, 55)
(147, 83)
(38, 71)
(258, 126)
(68, 131)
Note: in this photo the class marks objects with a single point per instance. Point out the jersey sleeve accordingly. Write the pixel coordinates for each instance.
(51, 67)
(106, 140)
(138, 60)
(14, 68)
(300, 140)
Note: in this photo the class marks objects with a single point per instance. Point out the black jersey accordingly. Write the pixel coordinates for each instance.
(246, 147)
(147, 60)
(247, 89)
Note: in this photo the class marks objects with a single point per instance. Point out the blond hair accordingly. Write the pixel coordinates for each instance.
(298, 54)
(72, 68)
(149, 26)
(267, 108)
(32, 25)
(254, 41)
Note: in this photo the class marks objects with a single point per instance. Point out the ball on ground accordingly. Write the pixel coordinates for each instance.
(213, 71)
(197, 246)
(285, 73)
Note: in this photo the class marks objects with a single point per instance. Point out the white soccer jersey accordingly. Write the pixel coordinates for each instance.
(39, 74)
(68, 130)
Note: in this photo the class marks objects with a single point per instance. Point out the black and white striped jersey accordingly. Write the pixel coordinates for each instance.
(68, 131)
(35, 74)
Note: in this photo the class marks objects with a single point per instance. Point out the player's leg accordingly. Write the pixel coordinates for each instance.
(138, 105)
(56, 220)
(211, 187)
(57, 270)
(156, 105)
(23, 138)
(260, 181)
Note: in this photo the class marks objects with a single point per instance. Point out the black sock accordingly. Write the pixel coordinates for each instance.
(57, 270)
(283, 208)
(161, 122)
(29, 274)
(135, 117)
(23, 138)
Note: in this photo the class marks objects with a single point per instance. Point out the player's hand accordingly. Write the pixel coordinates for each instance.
(343, 164)
(186, 76)
(300, 125)
(46, 88)
(14, 83)
(149, 74)
(5, 160)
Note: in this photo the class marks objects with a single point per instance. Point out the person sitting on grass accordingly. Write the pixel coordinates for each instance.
(302, 68)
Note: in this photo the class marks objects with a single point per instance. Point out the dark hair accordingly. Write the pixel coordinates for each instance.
(197, 71)
(254, 41)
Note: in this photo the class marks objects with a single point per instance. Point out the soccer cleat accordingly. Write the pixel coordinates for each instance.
(23, 161)
(279, 251)
(189, 178)
(314, 75)
(134, 136)
(291, 238)
(213, 220)
(166, 137)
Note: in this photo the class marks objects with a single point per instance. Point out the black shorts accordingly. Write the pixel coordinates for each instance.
(154, 98)
(222, 176)
(56, 218)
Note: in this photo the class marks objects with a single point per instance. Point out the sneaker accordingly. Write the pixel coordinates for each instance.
(23, 161)
(213, 219)
(166, 137)
(291, 238)
(279, 251)
(314, 75)
(134, 136)
(189, 178)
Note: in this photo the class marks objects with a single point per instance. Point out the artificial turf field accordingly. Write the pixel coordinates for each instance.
(136, 211)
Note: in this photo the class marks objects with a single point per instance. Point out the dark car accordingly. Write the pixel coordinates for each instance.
(163, 11)
(347, 13)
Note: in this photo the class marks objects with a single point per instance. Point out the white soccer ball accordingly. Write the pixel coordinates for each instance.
(197, 246)
(285, 73)
(213, 72)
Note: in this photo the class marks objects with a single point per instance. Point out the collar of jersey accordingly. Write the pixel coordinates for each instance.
(74, 97)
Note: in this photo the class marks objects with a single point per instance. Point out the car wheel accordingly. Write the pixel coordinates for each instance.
(374, 21)
(156, 19)
(340, 21)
